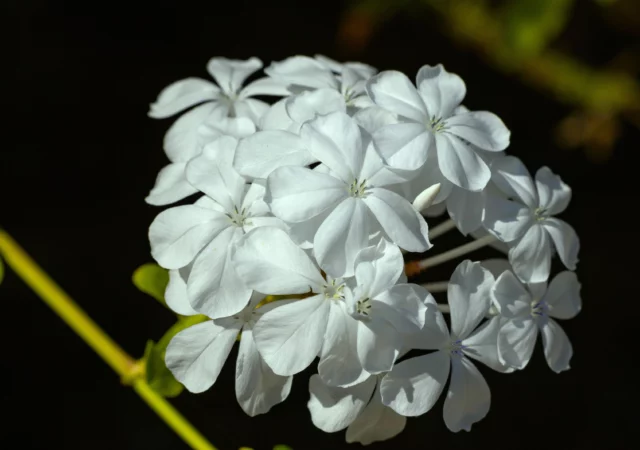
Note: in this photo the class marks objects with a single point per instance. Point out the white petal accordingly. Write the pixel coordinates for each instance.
(403, 224)
(511, 295)
(481, 128)
(335, 140)
(339, 364)
(261, 153)
(512, 177)
(378, 345)
(291, 336)
(341, 236)
(258, 389)
(264, 86)
(460, 164)
(516, 341)
(195, 356)
(482, 345)
(178, 234)
(565, 239)
(434, 335)
(221, 122)
(181, 95)
(267, 260)
(183, 140)
(171, 186)
(379, 268)
(375, 423)
(302, 71)
(469, 296)
(531, 257)
(277, 118)
(404, 146)
(176, 295)
(214, 287)
(505, 219)
(468, 399)
(557, 347)
(554, 194)
(310, 104)
(466, 209)
(403, 306)
(414, 385)
(563, 296)
(296, 194)
(373, 118)
(251, 108)
(441, 91)
(394, 92)
(332, 408)
(231, 73)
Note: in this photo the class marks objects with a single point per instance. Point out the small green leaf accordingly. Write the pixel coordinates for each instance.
(157, 375)
(152, 279)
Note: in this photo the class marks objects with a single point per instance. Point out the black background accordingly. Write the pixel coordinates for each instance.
(79, 155)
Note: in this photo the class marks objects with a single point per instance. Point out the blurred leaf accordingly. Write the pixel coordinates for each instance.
(282, 447)
(152, 279)
(1, 270)
(156, 373)
(531, 24)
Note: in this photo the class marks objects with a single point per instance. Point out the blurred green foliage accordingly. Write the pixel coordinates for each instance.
(152, 279)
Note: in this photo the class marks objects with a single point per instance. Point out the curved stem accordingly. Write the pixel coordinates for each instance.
(441, 228)
(455, 253)
(438, 286)
(96, 338)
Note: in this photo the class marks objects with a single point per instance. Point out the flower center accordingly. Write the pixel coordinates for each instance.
(358, 189)
(238, 218)
(456, 348)
(539, 308)
(540, 214)
(437, 124)
(363, 307)
(333, 290)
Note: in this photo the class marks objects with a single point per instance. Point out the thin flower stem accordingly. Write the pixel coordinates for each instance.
(456, 252)
(98, 340)
(444, 308)
(441, 228)
(439, 286)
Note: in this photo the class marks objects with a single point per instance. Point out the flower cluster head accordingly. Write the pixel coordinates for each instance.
(306, 208)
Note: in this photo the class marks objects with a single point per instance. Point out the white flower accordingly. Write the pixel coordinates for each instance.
(205, 233)
(414, 385)
(430, 124)
(526, 220)
(528, 310)
(357, 408)
(351, 195)
(196, 355)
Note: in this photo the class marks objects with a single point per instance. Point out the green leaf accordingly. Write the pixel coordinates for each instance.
(157, 375)
(281, 447)
(531, 24)
(152, 279)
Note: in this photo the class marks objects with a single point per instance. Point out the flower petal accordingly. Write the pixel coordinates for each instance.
(469, 296)
(379, 268)
(176, 295)
(441, 91)
(554, 194)
(378, 345)
(402, 306)
(402, 223)
(308, 105)
(565, 239)
(267, 260)
(231, 73)
(482, 345)
(264, 86)
(563, 296)
(183, 140)
(332, 408)
(302, 71)
(505, 219)
(195, 356)
(393, 91)
(481, 128)
(181, 95)
(251, 108)
(468, 399)
(466, 208)
(511, 295)
(178, 234)
(557, 347)
(516, 341)
(291, 336)
(434, 335)
(171, 186)
(460, 164)
(258, 389)
(296, 194)
(335, 140)
(414, 386)
(512, 177)
(339, 364)
(375, 423)
(404, 146)
(531, 257)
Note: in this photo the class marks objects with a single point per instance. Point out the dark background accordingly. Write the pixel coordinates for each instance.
(81, 155)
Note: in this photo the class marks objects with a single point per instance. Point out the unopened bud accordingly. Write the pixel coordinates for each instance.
(426, 197)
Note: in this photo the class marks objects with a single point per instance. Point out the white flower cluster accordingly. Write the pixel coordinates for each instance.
(312, 201)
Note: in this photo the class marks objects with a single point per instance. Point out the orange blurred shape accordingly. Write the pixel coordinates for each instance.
(355, 30)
